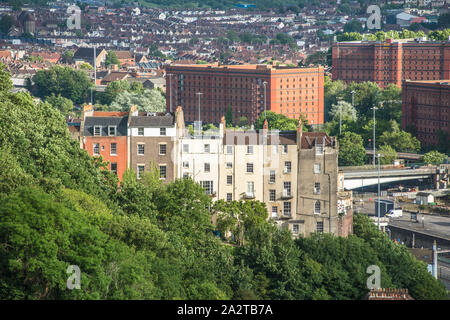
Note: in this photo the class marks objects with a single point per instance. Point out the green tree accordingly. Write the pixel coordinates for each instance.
(353, 26)
(433, 157)
(59, 102)
(400, 140)
(65, 81)
(150, 100)
(346, 111)
(388, 154)
(277, 121)
(5, 79)
(239, 217)
(351, 150)
(67, 56)
(229, 117)
(6, 22)
(111, 58)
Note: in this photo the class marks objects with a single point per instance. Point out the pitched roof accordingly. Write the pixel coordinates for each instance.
(104, 122)
(86, 53)
(232, 137)
(310, 139)
(159, 120)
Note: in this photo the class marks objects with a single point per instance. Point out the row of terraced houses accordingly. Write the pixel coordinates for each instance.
(295, 173)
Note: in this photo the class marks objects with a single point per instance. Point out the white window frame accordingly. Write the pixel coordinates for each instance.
(139, 172)
(162, 131)
(285, 205)
(143, 146)
(100, 131)
(139, 133)
(115, 171)
(185, 148)
(109, 131)
(317, 205)
(160, 172)
(229, 149)
(111, 149)
(252, 167)
(94, 146)
(207, 148)
(250, 150)
(165, 149)
(317, 168)
(207, 167)
(272, 195)
(272, 174)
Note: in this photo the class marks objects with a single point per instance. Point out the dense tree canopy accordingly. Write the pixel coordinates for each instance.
(65, 81)
(142, 239)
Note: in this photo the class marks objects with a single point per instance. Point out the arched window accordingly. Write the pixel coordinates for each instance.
(317, 207)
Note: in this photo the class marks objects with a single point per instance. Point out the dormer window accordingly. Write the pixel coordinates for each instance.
(112, 130)
(97, 130)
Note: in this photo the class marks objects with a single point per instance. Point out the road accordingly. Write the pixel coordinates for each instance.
(433, 225)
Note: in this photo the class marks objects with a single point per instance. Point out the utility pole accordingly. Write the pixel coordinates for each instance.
(374, 155)
(379, 193)
(340, 114)
(265, 99)
(170, 91)
(199, 94)
(353, 103)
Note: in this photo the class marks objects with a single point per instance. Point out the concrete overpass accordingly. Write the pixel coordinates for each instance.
(354, 178)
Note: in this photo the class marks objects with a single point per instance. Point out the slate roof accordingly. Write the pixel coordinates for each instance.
(256, 137)
(119, 122)
(309, 140)
(158, 121)
(86, 53)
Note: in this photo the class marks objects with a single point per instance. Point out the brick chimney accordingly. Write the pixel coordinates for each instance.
(222, 127)
(179, 122)
(299, 134)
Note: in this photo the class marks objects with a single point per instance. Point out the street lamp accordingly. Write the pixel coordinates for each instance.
(379, 204)
(374, 155)
(170, 90)
(265, 99)
(340, 114)
(199, 94)
(353, 104)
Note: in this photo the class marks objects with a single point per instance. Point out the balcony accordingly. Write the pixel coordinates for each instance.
(285, 215)
(286, 194)
(249, 195)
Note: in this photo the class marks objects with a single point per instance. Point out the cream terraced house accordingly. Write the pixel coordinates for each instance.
(260, 166)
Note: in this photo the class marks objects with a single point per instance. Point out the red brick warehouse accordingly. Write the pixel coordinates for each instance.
(391, 61)
(289, 91)
(426, 107)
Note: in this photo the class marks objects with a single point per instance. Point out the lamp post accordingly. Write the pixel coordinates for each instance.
(340, 114)
(199, 94)
(379, 193)
(170, 91)
(353, 103)
(265, 99)
(374, 155)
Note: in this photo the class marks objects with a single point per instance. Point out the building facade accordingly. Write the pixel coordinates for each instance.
(105, 134)
(390, 62)
(426, 109)
(294, 173)
(247, 90)
(152, 142)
